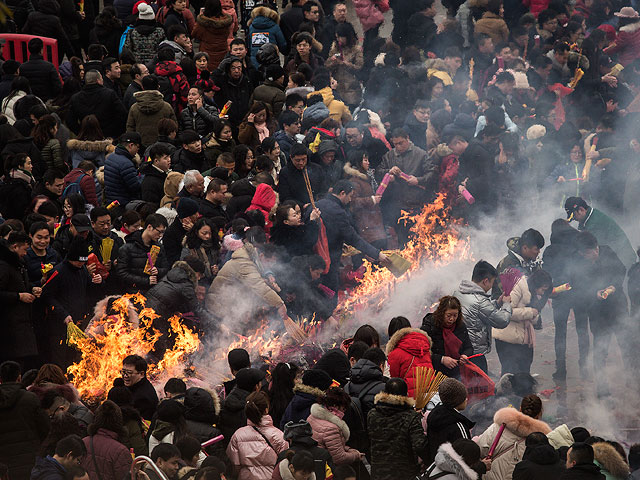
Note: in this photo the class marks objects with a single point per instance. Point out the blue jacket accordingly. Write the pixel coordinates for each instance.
(264, 29)
(48, 469)
(299, 407)
(285, 142)
(121, 181)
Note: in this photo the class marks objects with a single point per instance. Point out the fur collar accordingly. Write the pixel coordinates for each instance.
(448, 460)
(609, 458)
(354, 172)
(399, 335)
(631, 28)
(387, 398)
(286, 474)
(302, 388)
(519, 423)
(188, 270)
(209, 22)
(265, 12)
(321, 413)
(89, 145)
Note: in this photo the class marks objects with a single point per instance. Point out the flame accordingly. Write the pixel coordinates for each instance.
(113, 338)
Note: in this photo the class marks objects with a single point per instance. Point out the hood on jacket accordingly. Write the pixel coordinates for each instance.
(327, 95)
(610, 460)
(181, 272)
(468, 287)
(541, 455)
(67, 391)
(264, 198)
(327, 146)
(202, 405)
(564, 234)
(10, 393)
(50, 7)
(336, 364)
(307, 390)
(394, 400)
(321, 413)
(172, 183)
(149, 101)
(364, 371)
(167, 68)
(300, 433)
(630, 28)
(285, 473)
(412, 340)
(262, 16)
(236, 400)
(90, 146)
(560, 437)
(448, 460)
(242, 187)
(519, 423)
(9, 256)
(214, 23)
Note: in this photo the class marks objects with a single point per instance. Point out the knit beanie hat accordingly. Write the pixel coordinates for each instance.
(248, 378)
(317, 378)
(187, 207)
(536, 131)
(336, 364)
(452, 392)
(297, 430)
(145, 12)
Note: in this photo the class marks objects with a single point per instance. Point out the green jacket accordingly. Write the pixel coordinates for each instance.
(608, 232)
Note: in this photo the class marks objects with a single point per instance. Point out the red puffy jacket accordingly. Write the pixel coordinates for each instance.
(407, 349)
(263, 200)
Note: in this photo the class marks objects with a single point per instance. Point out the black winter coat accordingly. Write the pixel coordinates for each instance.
(589, 278)
(45, 22)
(299, 407)
(366, 382)
(172, 241)
(15, 198)
(477, 164)
(66, 293)
(540, 462)
(17, 337)
(437, 345)
(26, 145)
(202, 409)
(183, 160)
(239, 92)
(24, 427)
(176, 293)
(132, 259)
(297, 241)
(210, 210)
(202, 121)
(291, 184)
(242, 192)
(104, 104)
(232, 416)
(445, 424)
(583, 471)
(559, 257)
(48, 469)
(152, 186)
(42, 75)
(145, 398)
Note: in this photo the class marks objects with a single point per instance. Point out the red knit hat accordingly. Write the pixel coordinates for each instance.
(610, 32)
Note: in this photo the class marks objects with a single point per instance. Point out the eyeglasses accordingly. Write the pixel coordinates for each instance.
(60, 407)
(128, 373)
(161, 232)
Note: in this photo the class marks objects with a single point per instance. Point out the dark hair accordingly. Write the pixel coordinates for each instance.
(397, 323)
(50, 373)
(545, 15)
(166, 54)
(98, 212)
(219, 126)
(396, 386)
(581, 453)
(376, 355)
(468, 450)
(335, 397)
(108, 416)
(536, 438)
(342, 186)
(108, 62)
(16, 238)
(367, 334)
(483, 270)
(539, 278)
(62, 425)
(9, 371)
(150, 82)
(238, 358)
(301, 461)
(357, 349)
(299, 149)
(137, 361)
(531, 406)
(158, 150)
(240, 153)
(399, 133)
(165, 451)
(76, 202)
(447, 302)
(35, 45)
(257, 404)
(166, 126)
(288, 117)
(189, 447)
(129, 217)
(342, 472)
(586, 241)
(42, 131)
(255, 235)
(154, 220)
(452, 52)
(72, 444)
(346, 30)
(208, 473)
(212, 8)
(175, 385)
(192, 239)
(283, 379)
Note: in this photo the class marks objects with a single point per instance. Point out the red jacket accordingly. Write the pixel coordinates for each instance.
(112, 458)
(407, 349)
(263, 200)
(536, 6)
(179, 84)
(87, 185)
(448, 182)
(627, 44)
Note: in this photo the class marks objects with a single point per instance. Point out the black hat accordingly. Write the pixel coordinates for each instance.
(187, 207)
(81, 222)
(248, 378)
(573, 203)
(131, 137)
(78, 250)
(274, 72)
(336, 364)
(317, 378)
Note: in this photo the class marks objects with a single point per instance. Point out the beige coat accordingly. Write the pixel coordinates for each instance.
(494, 26)
(511, 446)
(520, 329)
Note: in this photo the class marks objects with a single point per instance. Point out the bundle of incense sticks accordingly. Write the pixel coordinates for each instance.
(152, 256)
(427, 383)
(295, 331)
(307, 183)
(105, 249)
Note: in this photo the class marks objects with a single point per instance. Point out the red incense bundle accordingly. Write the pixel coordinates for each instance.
(383, 184)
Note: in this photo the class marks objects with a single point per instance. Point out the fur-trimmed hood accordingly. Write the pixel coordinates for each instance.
(209, 22)
(518, 423)
(202, 405)
(302, 388)
(448, 460)
(190, 272)
(354, 172)
(389, 399)
(321, 413)
(285, 473)
(631, 28)
(610, 460)
(91, 146)
(265, 12)
(394, 341)
(560, 437)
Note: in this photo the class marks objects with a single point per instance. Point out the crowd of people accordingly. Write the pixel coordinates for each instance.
(217, 157)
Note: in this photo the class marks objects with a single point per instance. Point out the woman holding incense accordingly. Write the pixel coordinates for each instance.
(450, 343)
(510, 446)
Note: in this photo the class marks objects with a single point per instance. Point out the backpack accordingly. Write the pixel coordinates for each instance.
(123, 38)
(74, 188)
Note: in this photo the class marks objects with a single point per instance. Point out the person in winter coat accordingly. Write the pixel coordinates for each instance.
(45, 22)
(102, 102)
(24, 421)
(492, 23)
(133, 256)
(213, 28)
(155, 173)
(106, 458)
(345, 62)
(394, 417)
(511, 447)
(580, 464)
(291, 231)
(264, 200)
(145, 36)
(234, 86)
(264, 29)
(220, 141)
(480, 313)
(455, 461)
(367, 379)
(540, 460)
(445, 423)
(201, 413)
(17, 337)
(628, 38)
(329, 430)
(271, 92)
(522, 254)
(295, 465)
(90, 144)
(300, 438)
(450, 340)
(148, 109)
(407, 349)
(69, 452)
(83, 176)
(232, 415)
(198, 116)
(291, 182)
(314, 385)
(331, 167)
(132, 421)
(254, 449)
(107, 31)
(257, 125)
(337, 109)
(169, 71)
(612, 464)
(121, 180)
(15, 192)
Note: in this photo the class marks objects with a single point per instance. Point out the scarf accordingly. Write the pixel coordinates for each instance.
(263, 131)
(452, 343)
(337, 412)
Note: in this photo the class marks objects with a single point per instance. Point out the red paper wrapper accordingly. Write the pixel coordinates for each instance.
(383, 184)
